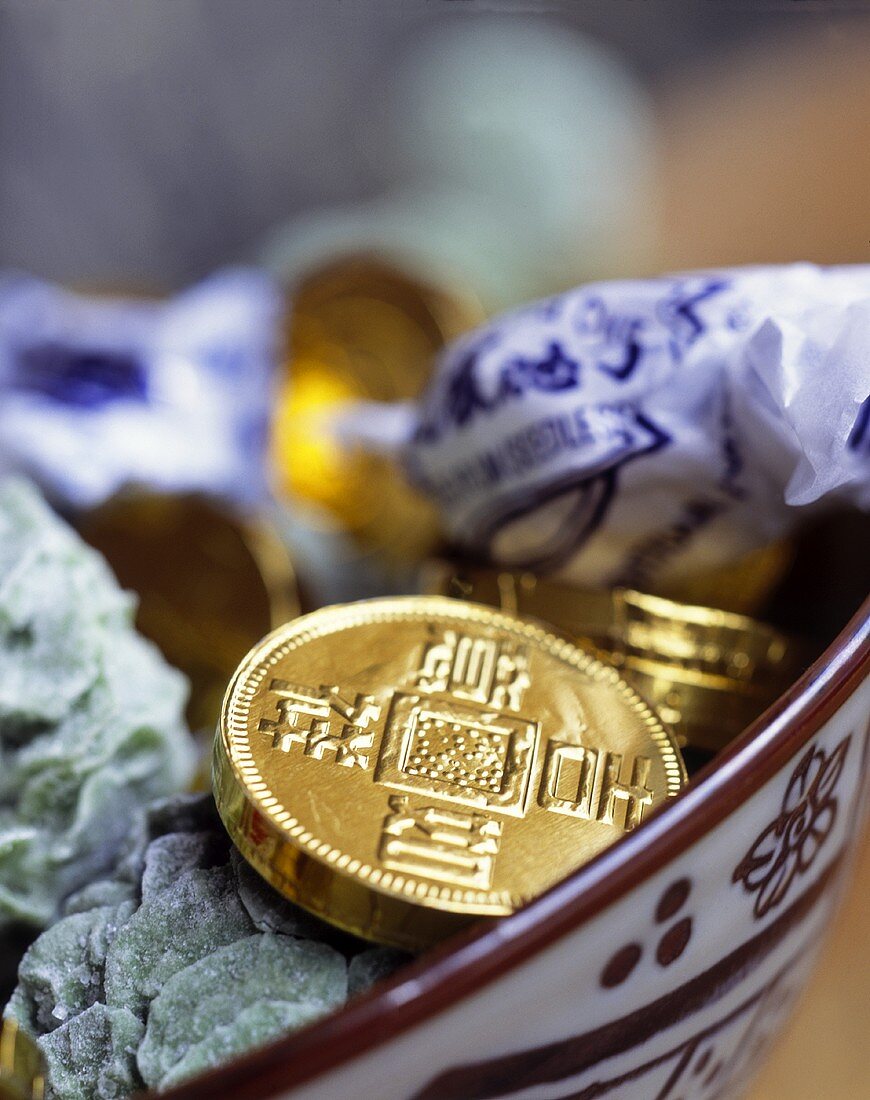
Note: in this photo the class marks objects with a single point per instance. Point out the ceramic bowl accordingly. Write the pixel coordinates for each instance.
(663, 969)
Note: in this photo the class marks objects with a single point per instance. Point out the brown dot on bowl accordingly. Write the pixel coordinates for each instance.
(621, 965)
(673, 899)
(673, 942)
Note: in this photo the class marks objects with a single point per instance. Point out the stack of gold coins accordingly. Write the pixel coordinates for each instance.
(402, 766)
(21, 1067)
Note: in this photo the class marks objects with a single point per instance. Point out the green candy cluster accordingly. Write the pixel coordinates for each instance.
(182, 960)
(91, 716)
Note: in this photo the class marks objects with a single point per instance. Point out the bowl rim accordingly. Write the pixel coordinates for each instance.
(463, 964)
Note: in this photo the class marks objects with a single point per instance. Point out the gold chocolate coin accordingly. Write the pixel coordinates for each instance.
(209, 583)
(402, 766)
(359, 330)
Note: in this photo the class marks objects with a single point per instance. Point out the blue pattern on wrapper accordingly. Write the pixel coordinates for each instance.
(650, 428)
(97, 393)
(859, 437)
(86, 378)
(629, 435)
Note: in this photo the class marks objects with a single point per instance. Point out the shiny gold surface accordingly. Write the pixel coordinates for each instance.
(21, 1068)
(401, 766)
(209, 584)
(706, 672)
(359, 330)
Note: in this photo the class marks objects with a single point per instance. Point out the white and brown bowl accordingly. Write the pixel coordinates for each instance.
(662, 969)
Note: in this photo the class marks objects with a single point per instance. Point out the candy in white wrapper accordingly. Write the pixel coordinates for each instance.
(96, 393)
(631, 433)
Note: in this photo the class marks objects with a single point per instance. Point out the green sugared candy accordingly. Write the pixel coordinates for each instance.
(61, 974)
(268, 910)
(93, 1055)
(169, 857)
(186, 956)
(91, 716)
(240, 996)
(179, 925)
(253, 1027)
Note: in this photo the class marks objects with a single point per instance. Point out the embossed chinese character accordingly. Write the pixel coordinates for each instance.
(568, 780)
(594, 785)
(631, 792)
(323, 723)
(446, 845)
(511, 680)
(475, 669)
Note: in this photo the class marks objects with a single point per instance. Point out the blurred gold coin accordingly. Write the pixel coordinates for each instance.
(742, 586)
(209, 584)
(359, 330)
(21, 1066)
(402, 766)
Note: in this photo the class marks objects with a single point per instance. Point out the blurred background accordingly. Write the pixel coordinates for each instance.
(494, 151)
(156, 141)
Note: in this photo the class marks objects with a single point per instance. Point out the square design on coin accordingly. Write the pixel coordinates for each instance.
(451, 749)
